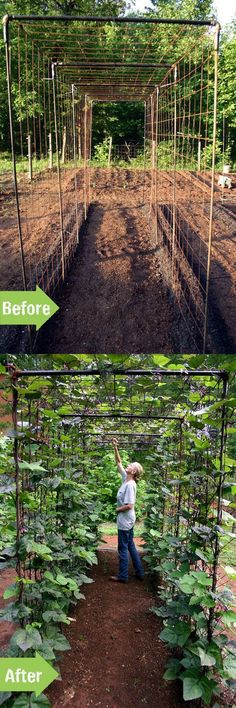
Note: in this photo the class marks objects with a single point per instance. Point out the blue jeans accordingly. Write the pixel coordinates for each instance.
(125, 546)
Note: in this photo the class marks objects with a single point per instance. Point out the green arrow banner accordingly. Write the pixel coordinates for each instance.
(26, 674)
(23, 307)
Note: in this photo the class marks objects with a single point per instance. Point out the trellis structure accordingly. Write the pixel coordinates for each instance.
(144, 419)
(185, 485)
(61, 66)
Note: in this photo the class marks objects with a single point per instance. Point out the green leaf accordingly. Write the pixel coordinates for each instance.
(46, 650)
(40, 549)
(27, 638)
(173, 670)
(57, 639)
(187, 583)
(61, 579)
(32, 466)
(55, 616)
(201, 555)
(61, 643)
(206, 659)
(176, 636)
(11, 591)
(160, 360)
(208, 687)
(192, 689)
(228, 617)
(230, 666)
(4, 697)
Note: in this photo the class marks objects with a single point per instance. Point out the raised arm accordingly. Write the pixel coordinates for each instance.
(116, 451)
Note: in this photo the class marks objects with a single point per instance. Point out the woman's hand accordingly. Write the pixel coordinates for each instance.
(114, 442)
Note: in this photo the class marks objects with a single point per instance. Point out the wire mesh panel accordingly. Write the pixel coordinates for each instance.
(180, 145)
(52, 130)
(61, 65)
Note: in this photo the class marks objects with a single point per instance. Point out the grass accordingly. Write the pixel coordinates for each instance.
(134, 164)
(37, 165)
(108, 528)
(21, 164)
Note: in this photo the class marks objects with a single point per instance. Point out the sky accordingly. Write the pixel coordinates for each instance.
(225, 9)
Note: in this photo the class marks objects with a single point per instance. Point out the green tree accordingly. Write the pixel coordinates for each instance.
(227, 87)
(193, 9)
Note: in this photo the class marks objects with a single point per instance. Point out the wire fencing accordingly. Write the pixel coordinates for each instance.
(180, 151)
(56, 68)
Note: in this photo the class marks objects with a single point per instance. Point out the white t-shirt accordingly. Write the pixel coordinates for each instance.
(126, 495)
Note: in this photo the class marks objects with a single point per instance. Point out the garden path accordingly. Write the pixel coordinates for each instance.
(117, 659)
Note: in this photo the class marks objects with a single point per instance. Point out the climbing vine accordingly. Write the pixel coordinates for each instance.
(187, 527)
(58, 481)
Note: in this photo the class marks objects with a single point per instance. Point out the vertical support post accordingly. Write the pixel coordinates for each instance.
(216, 58)
(17, 482)
(216, 553)
(79, 137)
(156, 138)
(50, 151)
(58, 172)
(29, 157)
(85, 157)
(8, 69)
(152, 156)
(109, 152)
(144, 148)
(174, 175)
(180, 488)
(73, 90)
(63, 152)
(223, 136)
(90, 147)
(199, 156)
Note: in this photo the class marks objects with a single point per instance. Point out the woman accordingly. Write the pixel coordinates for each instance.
(126, 518)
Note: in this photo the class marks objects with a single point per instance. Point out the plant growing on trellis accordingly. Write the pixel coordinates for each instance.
(185, 528)
(51, 488)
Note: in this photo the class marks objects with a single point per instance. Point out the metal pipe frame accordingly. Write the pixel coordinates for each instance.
(122, 416)
(58, 173)
(13, 150)
(104, 20)
(99, 65)
(122, 434)
(209, 253)
(180, 373)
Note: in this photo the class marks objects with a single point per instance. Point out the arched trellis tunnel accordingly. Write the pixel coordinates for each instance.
(62, 65)
(63, 421)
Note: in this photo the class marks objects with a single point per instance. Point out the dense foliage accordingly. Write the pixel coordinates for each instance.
(59, 481)
(186, 532)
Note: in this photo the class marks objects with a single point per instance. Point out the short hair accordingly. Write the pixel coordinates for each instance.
(138, 471)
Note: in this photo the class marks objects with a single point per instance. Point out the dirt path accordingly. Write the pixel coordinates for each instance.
(115, 296)
(117, 659)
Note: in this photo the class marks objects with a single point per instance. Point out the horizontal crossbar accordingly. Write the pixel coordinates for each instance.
(104, 20)
(129, 416)
(106, 65)
(121, 434)
(120, 372)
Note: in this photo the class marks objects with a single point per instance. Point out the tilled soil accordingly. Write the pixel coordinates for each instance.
(117, 659)
(117, 295)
